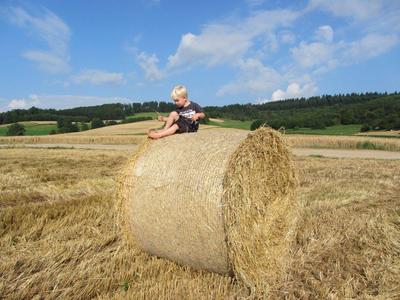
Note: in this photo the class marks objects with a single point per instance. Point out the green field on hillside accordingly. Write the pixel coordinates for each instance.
(33, 129)
(146, 114)
(232, 124)
(331, 130)
(44, 129)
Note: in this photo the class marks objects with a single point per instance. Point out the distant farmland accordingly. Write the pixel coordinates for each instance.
(33, 128)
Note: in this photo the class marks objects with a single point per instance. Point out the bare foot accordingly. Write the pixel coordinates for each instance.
(153, 134)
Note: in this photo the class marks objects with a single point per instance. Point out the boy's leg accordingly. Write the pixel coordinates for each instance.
(172, 117)
(163, 132)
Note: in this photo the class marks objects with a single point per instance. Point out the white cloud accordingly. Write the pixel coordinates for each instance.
(388, 21)
(224, 42)
(148, 63)
(377, 16)
(47, 61)
(321, 57)
(271, 43)
(287, 37)
(254, 78)
(369, 46)
(17, 104)
(324, 56)
(324, 34)
(97, 77)
(316, 54)
(228, 41)
(218, 44)
(313, 54)
(52, 30)
(295, 90)
(231, 41)
(378, 22)
(32, 100)
(63, 101)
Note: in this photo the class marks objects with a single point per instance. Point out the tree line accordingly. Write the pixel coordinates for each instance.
(113, 111)
(375, 111)
(372, 110)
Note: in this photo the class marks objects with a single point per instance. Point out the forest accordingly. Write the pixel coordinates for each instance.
(377, 111)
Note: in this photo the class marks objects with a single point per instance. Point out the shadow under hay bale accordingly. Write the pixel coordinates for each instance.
(220, 200)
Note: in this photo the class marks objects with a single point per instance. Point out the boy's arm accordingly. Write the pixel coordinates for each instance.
(162, 118)
(199, 113)
(198, 116)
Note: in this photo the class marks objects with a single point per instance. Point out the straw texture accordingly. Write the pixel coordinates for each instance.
(219, 200)
(260, 211)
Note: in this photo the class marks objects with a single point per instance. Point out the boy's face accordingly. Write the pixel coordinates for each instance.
(180, 101)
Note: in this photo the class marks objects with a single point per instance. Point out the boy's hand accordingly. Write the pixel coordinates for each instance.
(160, 118)
(197, 117)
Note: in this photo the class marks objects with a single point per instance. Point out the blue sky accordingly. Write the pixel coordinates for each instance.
(68, 53)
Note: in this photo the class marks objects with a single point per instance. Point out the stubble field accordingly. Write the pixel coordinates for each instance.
(135, 133)
(59, 236)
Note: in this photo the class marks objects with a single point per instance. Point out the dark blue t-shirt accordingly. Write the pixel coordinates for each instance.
(189, 111)
(186, 113)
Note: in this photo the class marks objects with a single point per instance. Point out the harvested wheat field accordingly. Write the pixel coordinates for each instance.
(135, 133)
(136, 128)
(131, 133)
(389, 133)
(59, 238)
(343, 142)
(32, 123)
(69, 138)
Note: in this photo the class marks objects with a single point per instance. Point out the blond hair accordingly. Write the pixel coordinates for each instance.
(179, 91)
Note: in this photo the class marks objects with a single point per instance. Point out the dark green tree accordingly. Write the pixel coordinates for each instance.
(60, 123)
(84, 126)
(97, 123)
(256, 124)
(15, 129)
(65, 125)
(365, 128)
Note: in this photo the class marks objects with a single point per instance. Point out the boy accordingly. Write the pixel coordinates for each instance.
(183, 119)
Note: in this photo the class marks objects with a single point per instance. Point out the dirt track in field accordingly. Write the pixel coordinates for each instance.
(347, 153)
(338, 153)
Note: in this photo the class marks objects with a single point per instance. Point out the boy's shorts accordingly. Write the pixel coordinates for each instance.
(185, 125)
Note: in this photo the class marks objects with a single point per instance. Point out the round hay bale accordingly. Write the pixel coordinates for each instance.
(219, 200)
